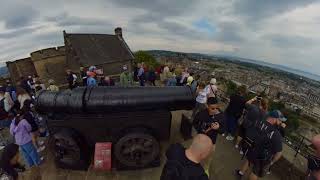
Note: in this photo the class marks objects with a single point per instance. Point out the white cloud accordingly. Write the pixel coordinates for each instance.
(284, 33)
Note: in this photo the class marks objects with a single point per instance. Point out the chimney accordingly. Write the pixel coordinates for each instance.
(118, 32)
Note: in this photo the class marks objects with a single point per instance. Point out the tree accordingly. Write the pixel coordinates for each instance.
(146, 58)
(231, 88)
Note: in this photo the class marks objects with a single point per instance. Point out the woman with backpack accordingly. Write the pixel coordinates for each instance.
(9, 162)
(29, 116)
(212, 88)
(20, 129)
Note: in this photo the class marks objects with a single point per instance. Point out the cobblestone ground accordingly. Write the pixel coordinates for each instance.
(226, 159)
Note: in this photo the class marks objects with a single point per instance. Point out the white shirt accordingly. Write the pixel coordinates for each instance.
(202, 96)
(211, 90)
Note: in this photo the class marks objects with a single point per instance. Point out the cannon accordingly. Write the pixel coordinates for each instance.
(134, 119)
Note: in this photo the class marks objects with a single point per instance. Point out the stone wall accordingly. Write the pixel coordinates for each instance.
(20, 68)
(50, 64)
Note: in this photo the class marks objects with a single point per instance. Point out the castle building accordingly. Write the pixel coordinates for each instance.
(107, 52)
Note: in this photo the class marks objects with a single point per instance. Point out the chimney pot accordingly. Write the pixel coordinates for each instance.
(118, 31)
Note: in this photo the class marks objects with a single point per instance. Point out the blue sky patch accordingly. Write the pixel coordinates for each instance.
(205, 25)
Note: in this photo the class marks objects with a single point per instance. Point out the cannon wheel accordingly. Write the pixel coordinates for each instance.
(69, 151)
(136, 149)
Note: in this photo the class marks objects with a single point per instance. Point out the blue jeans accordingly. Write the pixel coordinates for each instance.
(141, 82)
(30, 154)
(231, 124)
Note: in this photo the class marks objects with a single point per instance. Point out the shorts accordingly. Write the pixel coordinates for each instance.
(260, 167)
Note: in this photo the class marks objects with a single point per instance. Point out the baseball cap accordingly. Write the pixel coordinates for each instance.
(213, 81)
(277, 114)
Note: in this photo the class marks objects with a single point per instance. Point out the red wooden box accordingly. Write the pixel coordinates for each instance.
(102, 156)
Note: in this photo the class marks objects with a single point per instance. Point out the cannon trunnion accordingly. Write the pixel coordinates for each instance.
(134, 119)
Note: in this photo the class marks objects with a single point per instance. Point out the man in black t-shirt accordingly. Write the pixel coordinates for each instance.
(184, 164)
(210, 122)
(266, 146)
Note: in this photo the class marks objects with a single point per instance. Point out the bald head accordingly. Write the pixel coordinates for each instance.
(201, 146)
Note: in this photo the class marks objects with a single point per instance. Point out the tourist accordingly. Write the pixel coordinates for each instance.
(12, 90)
(201, 99)
(265, 147)
(234, 112)
(6, 105)
(83, 75)
(25, 86)
(141, 75)
(9, 163)
(255, 111)
(190, 79)
(194, 83)
(22, 96)
(72, 79)
(185, 163)
(20, 129)
(31, 83)
(107, 81)
(184, 76)
(314, 160)
(210, 121)
(212, 88)
(171, 81)
(29, 116)
(125, 77)
(52, 86)
(152, 76)
(91, 81)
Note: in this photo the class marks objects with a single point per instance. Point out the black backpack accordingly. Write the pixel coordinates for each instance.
(260, 139)
(3, 112)
(248, 123)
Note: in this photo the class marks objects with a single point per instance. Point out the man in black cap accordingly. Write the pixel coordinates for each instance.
(264, 146)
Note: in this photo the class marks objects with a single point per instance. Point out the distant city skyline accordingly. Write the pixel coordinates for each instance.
(279, 32)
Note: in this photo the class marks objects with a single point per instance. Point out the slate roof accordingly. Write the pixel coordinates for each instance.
(96, 49)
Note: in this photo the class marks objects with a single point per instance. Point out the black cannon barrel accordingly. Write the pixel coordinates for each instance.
(115, 99)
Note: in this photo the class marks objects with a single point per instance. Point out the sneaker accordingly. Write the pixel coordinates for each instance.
(40, 149)
(230, 138)
(41, 161)
(236, 146)
(238, 174)
(223, 135)
(241, 152)
(2, 147)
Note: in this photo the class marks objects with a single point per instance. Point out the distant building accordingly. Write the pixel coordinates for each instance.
(106, 51)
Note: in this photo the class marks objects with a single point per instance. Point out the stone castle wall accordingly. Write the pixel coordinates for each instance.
(50, 63)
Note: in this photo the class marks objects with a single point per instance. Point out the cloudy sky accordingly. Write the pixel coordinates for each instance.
(282, 32)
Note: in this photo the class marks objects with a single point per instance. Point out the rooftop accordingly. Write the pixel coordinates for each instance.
(98, 48)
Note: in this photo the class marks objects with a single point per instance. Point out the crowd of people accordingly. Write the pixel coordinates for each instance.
(24, 124)
(256, 132)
